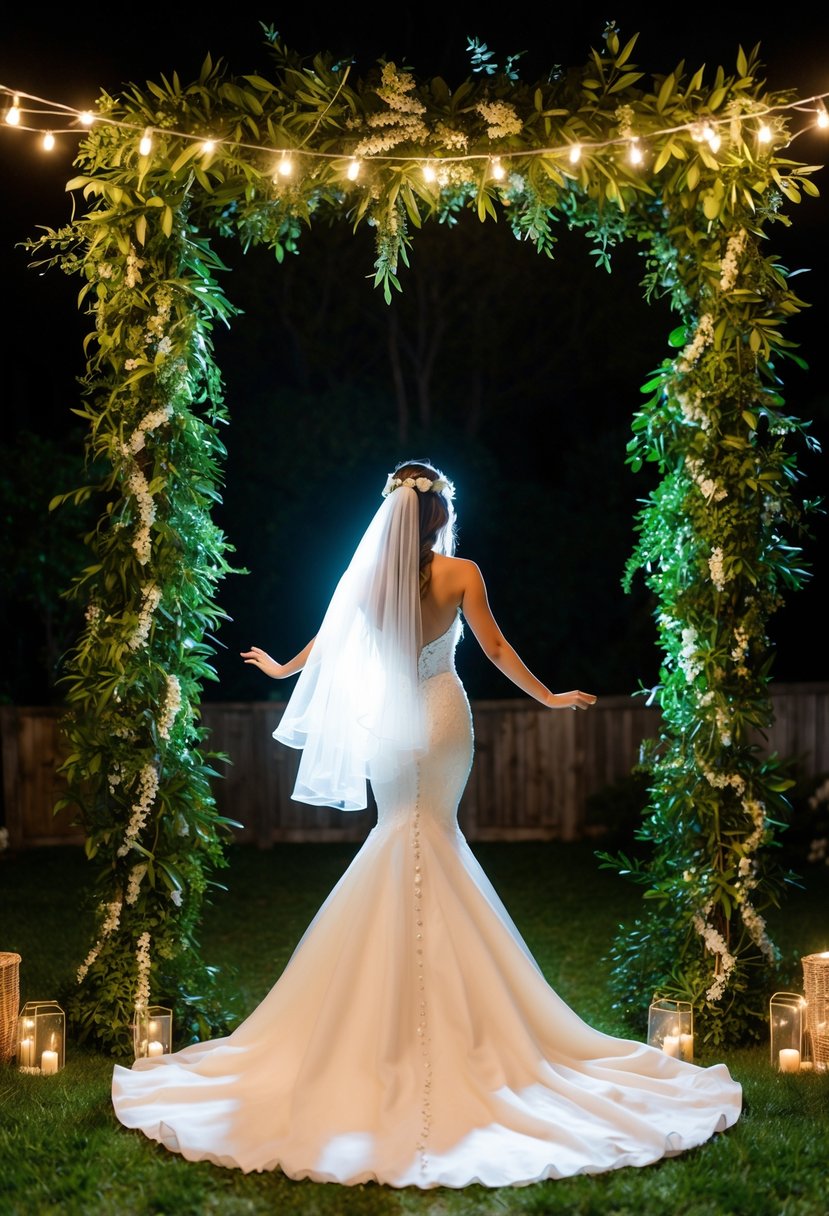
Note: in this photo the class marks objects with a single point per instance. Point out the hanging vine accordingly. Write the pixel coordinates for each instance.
(673, 163)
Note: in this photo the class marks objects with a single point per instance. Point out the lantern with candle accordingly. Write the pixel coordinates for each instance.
(152, 1031)
(41, 1038)
(786, 1012)
(671, 1027)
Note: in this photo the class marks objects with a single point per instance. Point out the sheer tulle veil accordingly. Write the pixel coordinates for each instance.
(355, 704)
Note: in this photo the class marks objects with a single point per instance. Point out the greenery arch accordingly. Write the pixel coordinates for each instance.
(695, 171)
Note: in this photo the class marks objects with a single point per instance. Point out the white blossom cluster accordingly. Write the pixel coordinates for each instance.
(689, 659)
(160, 319)
(138, 486)
(110, 924)
(624, 119)
(135, 265)
(730, 264)
(703, 336)
(500, 117)
(142, 988)
(150, 422)
(691, 405)
(401, 122)
(450, 137)
(722, 781)
(710, 489)
(172, 704)
(147, 781)
(716, 569)
(715, 944)
(134, 884)
(151, 598)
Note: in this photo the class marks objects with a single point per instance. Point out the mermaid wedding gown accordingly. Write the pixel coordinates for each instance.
(412, 1039)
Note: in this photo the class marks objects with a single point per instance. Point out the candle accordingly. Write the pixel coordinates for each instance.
(27, 1052)
(789, 1060)
(154, 1048)
(686, 1047)
(670, 1045)
(49, 1063)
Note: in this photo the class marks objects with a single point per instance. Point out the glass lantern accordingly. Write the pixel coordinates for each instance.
(671, 1028)
(152, 1032)
(41, 1038)
(786, 1013)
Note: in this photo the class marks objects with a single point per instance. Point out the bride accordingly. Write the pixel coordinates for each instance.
(412, 1039)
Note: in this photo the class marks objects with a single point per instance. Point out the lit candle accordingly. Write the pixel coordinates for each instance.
(49, 1063)
(27, 1052)
(789, 1060)
(154, 1048)
(670, 1045)
(686, 1047)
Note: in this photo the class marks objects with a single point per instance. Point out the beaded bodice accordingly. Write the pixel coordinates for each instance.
(439, 656)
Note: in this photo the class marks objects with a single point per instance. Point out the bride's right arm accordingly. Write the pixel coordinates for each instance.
(277, 671)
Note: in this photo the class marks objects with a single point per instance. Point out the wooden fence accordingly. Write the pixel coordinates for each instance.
(533, 773)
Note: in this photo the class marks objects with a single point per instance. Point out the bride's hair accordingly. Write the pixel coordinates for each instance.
(437, 516)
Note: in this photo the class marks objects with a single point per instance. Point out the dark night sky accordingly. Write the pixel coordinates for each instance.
(73, 58)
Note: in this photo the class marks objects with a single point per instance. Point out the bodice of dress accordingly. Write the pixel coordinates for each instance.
(439, 656)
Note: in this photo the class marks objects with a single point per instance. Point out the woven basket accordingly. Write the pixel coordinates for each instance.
(9, 1004)
(816, 991)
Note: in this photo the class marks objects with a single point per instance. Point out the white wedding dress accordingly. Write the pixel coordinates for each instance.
(412, 1039)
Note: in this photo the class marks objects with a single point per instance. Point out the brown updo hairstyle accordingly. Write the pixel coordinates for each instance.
(437, 517)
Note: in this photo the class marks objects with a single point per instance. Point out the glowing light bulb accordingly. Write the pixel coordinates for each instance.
(714, 139)
(764, 134)
(429, 174)
(13, 113)
(209, 146)
(635, 153)
(286, 166)
(48, 141)
(86, 117)
(575, 154)
(498, 170)
(822, 117)
(353, 170)
(146, 144)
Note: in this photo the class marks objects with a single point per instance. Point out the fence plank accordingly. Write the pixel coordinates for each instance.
(533, 772)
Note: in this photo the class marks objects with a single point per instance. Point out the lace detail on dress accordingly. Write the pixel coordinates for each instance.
(439, 656)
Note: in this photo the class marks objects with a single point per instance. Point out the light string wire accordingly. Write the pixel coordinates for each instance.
(705, 125)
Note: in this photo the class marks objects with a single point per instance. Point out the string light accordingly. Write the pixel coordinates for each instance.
(48, 141)
(707, 130)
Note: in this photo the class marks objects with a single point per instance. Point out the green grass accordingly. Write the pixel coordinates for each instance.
(63, 1153)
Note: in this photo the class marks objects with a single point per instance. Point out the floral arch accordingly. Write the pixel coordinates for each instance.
(696, 170)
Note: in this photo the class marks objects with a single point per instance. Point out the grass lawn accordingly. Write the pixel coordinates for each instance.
(62, 1151)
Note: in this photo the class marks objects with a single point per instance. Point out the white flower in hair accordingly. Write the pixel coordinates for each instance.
(440, 485)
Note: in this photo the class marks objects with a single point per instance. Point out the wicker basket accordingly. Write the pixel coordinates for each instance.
(9, 1004)
(816, 991)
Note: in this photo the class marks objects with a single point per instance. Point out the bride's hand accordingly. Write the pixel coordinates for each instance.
(572, 700)
(264, 662)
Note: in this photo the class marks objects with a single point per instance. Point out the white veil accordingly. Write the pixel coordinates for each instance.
(355, 703)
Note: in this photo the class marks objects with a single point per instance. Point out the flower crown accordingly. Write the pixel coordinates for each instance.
(440, 485)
